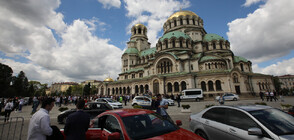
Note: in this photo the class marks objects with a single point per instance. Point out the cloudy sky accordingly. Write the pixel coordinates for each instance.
(77, 40)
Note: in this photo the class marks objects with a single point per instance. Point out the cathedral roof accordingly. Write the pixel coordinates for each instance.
(207, 58)
(148, 51)
(239, 58)
(108, 80)
(210, 37)
(176, 34)
(182, 13)
(131, 51)
(134, 70)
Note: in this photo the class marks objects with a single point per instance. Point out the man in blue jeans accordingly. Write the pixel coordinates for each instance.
(162, 106)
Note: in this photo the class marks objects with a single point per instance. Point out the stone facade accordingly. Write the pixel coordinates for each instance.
(287, 81)
(184, 57)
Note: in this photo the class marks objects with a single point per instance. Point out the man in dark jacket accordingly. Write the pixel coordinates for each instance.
(77, 123)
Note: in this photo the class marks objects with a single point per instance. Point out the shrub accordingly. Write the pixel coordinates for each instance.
(186, 106)
(209, 105)
(260, 103)
(286, 105)
(61, 109)
(137, 106)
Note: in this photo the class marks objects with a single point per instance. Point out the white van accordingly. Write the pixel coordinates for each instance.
(196, 94)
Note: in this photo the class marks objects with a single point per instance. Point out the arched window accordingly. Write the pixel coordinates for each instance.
(112, 92)
(166, 44)
(116, 91)
(136, 89)
(262, 85)
(181, 43)
(141, 89)
(120, 90)
(128, 90)
(235, 78)
(183, 85)
(135, 31)
(146, 88)
(203, 86)
(176, 85)
(193, 21)
(170, 25)
(214, 45)
(215, 64)
(169, 87)
(218, 85)
(242, 67)
(139, 31)
(221, 45)
(209, 66)
(210, 86)
(181, 21)
(164, 66)
(187, 44)
(174, 43)
(188, 21)
(175, 22)
(124, 90)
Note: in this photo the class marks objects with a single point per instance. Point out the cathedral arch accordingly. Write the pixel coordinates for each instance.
(176, 87)
(210, 86)
(183, 85)
(169, 87)
(218, 85)
(203, 86)
(136, 89)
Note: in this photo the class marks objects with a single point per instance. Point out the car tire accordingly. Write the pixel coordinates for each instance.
(135, 104)
(235, 99)
(201, 134)
(197, 100)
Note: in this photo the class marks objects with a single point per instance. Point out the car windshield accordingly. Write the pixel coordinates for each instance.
(110, 100)
(275, 120)
(147, 125)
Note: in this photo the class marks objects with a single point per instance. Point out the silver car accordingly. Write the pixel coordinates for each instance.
(254, 122)
(114, 104)
(228, 97)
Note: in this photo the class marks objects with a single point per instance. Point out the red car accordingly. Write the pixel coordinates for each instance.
(133, 124)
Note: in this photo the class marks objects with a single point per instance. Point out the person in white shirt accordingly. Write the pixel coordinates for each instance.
(39, 126)
(8, 108)
(21, 101)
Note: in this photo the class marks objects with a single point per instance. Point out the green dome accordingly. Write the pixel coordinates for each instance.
(210, 37)
(176, 34)
(239, 58)
(131, 51)
(207, 58)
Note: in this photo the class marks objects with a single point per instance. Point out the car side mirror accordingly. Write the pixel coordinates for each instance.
(178, 122)
(114, 136)
(255, 131)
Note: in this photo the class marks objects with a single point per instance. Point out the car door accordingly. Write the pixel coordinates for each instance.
(215, 124)
(111, 125)
(239, 123)
(94, 132)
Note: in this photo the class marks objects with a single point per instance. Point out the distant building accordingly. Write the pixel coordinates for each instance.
(186, 56)
(61, 87)
(287, 81)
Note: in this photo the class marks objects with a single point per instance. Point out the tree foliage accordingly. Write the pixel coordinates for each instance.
(87, 89)
(5, 79)
(277, 84)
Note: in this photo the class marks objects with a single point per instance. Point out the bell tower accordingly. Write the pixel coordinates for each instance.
(139, 35)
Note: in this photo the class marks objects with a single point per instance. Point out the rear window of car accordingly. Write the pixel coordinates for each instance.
(216, 114)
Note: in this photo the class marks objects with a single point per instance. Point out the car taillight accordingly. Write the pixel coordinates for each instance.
(106, 110)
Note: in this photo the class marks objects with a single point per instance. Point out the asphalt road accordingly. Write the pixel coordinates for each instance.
(174, 112)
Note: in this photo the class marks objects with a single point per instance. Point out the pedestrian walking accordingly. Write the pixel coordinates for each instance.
(261, 95)
(8, 109)
(271, 96)
(162, 106)
(77, 123)
(178, 98)
(39, 126)
(267, 95)
(21, 102)
(35, 105)
(221, 100)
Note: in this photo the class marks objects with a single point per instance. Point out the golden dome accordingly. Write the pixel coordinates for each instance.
(182, 13)
(139, 24)
(108, 80)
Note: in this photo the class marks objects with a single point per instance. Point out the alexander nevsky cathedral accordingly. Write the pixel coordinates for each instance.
(185, 57)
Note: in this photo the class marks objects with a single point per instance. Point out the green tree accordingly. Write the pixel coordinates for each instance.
(76, 90)
(21, 84)
(68, 91)
(87, 89)
(277, 84)
(5, 79)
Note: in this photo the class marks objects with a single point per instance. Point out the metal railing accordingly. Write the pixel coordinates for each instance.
(11, 129)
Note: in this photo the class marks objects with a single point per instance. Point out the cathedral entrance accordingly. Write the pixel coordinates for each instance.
(237, 89)
(155, 87)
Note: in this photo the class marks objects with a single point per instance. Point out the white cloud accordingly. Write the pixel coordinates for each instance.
(153, 14)
(27, 30)
(266, 33)
(107, 4)
(280, 68)
(250, 2)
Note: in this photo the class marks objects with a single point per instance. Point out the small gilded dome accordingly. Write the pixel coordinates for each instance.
(108, 80)
(182, 13)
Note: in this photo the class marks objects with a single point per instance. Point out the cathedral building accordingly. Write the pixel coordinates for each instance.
(185, 57)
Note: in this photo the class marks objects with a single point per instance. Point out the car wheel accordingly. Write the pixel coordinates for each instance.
(197, 99)
(235, 99)
(201, 134)
(135, 104)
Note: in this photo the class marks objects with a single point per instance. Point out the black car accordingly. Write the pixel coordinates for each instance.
(92, 108)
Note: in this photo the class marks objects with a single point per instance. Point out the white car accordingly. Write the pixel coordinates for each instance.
(143, 101)
(114, 104)
(228, 97)
(250, 122)
(170, 102)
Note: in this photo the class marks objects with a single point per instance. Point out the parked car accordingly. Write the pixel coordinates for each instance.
(170, 102)
(195, 94)
(111, 102)
(291, 111)
(92, 108)
(229, 97)
(143, 101)
(252, 122)
(135, 124)
(26, 100)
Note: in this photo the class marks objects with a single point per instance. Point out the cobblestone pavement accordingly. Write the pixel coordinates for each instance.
(173, 111)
